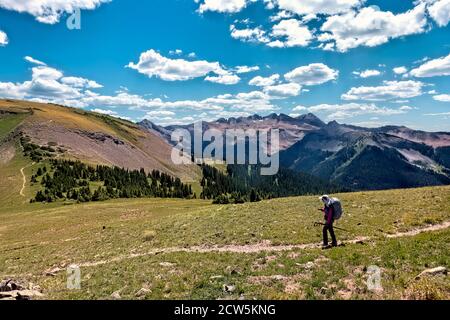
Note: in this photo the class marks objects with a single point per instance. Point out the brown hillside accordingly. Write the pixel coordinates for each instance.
(95, 138)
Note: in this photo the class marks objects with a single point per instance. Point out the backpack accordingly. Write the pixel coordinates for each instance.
(337, 208)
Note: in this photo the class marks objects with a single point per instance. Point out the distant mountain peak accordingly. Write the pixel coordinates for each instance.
(312, 119)
(333, 123)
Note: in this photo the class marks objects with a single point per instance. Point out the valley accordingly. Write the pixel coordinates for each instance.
(166, 248)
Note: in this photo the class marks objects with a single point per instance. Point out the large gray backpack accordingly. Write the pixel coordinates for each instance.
(337, 208)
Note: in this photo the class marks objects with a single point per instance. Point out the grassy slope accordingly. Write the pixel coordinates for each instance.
(9, 122)
(72, 118)
(37, 237)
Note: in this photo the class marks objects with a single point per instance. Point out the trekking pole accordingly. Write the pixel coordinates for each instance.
(323, 224)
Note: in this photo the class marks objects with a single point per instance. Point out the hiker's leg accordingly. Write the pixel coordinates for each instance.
(333, 236)
(325, 235)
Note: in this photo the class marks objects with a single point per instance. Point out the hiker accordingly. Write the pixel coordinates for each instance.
(329, 213)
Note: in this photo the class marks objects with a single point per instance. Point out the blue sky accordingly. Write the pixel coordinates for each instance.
(179, 61)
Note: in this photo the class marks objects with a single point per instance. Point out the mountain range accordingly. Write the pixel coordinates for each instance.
(357, 158)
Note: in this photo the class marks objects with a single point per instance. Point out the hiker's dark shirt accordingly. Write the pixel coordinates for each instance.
(328, 214)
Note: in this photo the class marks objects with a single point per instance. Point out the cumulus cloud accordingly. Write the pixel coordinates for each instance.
(159, 113)
(223, 6)
(153, 64)
(440, 11)
(245, 69)
(442, 97)
(50, 11)
(3, 39)
(349, 110)
(285, 34)
(433, 68)
(264, 81)
(227, 79)
(255, 101)
(49, 84)
(370, 27)
(280, 15)
(47, 73)
(257, 34)
(299, 108)
(312, 74)
(328, 7)
(290, 33)
(283, 90)
(342, 24)
(400, 70)
(78, 82)
(367, 73)
(389, 90)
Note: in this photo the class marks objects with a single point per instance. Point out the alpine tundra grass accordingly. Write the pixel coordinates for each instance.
(191, 249)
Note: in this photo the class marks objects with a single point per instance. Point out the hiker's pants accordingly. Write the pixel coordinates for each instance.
(329, 228)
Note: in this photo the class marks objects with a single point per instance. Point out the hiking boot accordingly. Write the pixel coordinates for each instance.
(326, 247)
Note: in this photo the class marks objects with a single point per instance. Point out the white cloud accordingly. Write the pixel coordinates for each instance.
(49, 11)
(47, 84)
(223, 6)
(34, 61)
(367, 73)
(400, 70)
(249, 34)
(442, 97)
(389, 90)
(50, 85)
(44, 72)
(264, 81)
(245, 69)
(283, 90)
(3, 39)
(280, 15)
(440, 12)
(11, 90)
(286, 33)
(153, 64)
(254, 101)
(433, 68)
(227, 79)
(313, 74)
(328, 7)
(292, 33)
(349, 110)
(160, 113)
(78, 82)
(371, 27)
(299, 108)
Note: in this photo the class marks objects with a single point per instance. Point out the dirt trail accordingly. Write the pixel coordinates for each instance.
(256, 248)
(417, 231)
(24, 177)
